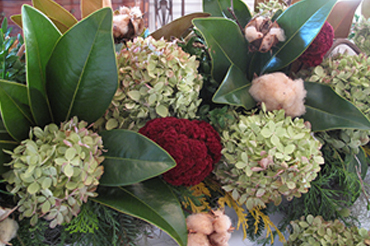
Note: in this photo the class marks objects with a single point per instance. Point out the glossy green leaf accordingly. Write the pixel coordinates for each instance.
(40, 36)
(177, 27)
(131, 158)
(84, 83)
(301, 23)
(326, 110)
(62, 18)
(15, 110)
(234, 90)
(224, 50)
(220, 8)
(8, 143)
(151, 201)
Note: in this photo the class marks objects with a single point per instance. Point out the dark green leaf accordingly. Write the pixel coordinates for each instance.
(234, 90)
(8, 143)
(152, 201)
(40, 36)
(224, 50)
(82, 72)
(326, 110)
(301, 23)
(177, 27)
(220, 8)
(131, 158)
(15, 110)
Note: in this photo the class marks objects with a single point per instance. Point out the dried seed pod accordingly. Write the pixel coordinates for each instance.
(262, 34)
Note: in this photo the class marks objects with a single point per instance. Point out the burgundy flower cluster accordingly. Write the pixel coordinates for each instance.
(194, 145)
(314, 55)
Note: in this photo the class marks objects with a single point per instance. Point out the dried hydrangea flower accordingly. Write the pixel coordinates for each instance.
(349, 77)
(316, 231)
(361, 30)
(55, 171)
(157, 79)
(278, 91)
(267, 156)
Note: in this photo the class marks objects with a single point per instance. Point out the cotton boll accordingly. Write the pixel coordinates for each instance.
(120, 25)
(200, 223)
(123, 10)
(278, 91)
(8, 230)
(252, 34)
(221, 222)
(220, 239)
(278, 33)
(198, 239)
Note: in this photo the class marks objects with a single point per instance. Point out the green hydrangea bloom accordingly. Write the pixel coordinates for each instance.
(267, 156)
(157, 79)
(55, 171)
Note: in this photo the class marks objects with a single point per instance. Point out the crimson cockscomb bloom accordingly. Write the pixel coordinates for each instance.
(195, 146)
(314, 55)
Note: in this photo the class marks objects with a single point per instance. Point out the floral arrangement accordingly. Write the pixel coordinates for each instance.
(104, 125)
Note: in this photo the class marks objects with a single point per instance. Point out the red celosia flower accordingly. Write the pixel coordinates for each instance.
(314, 55)
(194, 145)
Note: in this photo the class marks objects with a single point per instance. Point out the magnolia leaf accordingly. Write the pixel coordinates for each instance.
(7, 143)
(82, 73)
(131, 158)
(40, 36)
(90, 6)
(222, 8)
(341, 17)
(224, 50)
(15, 110)
(326, 110)
(152, 201)
(62, 18)
(177, 27)
(234, 90)
(365, 9)
(301, 23)
(17, 19)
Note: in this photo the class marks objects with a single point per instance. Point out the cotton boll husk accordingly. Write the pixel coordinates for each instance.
(8, 230)
(200, 223)
(198, 239)
(222, 222)
(220, 239)
(278, 91)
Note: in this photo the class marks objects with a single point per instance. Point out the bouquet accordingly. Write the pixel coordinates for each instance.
(108, 125)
